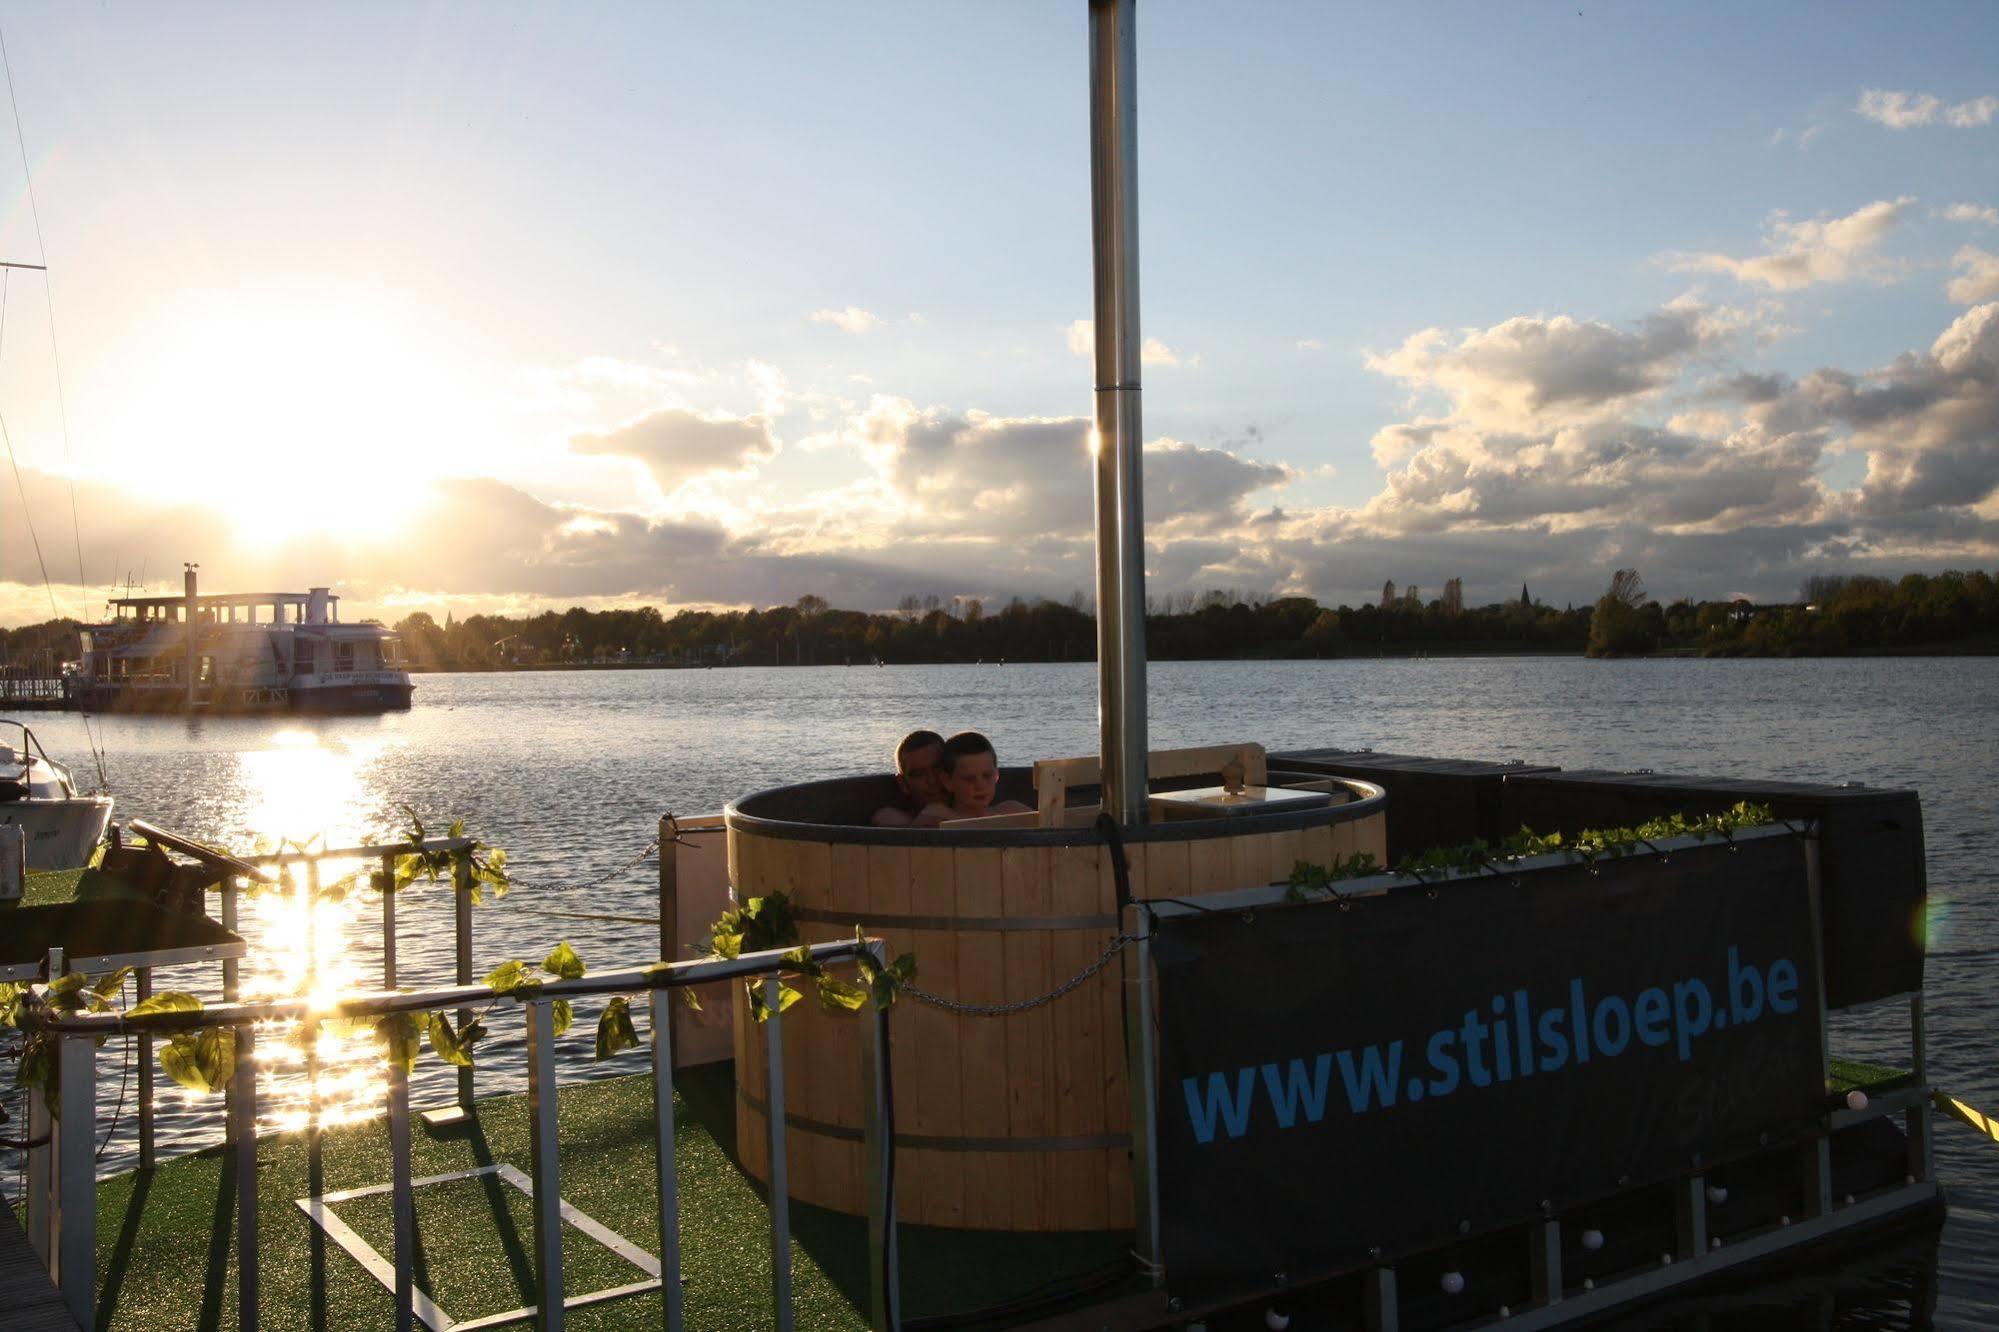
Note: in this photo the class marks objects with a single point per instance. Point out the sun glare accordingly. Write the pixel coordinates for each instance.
(300, 410)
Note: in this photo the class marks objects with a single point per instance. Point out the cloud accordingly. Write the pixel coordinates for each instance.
(1802, 138)
(1928, 422)
(1970, 212)
(1801, 253)
(677, 445)
(1979, 281)
(1310, 345)
(1535, 369)
(853, 319)
(1909, 110)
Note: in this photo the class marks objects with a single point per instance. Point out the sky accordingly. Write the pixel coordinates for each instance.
(501, 308)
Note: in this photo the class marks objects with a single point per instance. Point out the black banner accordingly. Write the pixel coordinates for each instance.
(1339, 1078)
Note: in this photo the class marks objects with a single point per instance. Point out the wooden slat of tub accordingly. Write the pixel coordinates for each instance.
(1077, 1188)
(1166, 869)
(848, 892)
(807, 867)
(1316, 845)
(1029, 1072)
(889, 894)
(1371, 835)
(982, 1091)
(1210, 867)
(933, 892)
(1286, 849)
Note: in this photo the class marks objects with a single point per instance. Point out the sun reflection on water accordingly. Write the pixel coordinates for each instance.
(316, 935)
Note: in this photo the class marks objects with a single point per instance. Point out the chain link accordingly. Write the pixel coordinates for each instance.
(964, 1009)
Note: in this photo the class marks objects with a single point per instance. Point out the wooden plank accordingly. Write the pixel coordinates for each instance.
(1372, 836)
(848, 868)
(1167, 865)
(1077, 1187)
(889, 894)
(1209, 866)
(1030, 1074)
(982, 1040)
(933, 892)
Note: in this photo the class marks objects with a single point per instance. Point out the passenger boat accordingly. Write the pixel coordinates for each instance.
(60, 824)
(250, 652)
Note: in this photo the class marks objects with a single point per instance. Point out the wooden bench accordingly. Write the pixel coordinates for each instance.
(1054, 777)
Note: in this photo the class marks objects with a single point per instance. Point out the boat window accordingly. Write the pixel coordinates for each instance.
(302, 655)
(343, 656)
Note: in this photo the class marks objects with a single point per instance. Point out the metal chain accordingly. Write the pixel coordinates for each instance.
(964, 1009)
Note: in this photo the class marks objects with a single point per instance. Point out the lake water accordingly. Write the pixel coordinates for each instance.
(570, 771)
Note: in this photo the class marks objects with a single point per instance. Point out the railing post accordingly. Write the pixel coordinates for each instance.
(1690, 1216)
(884, 1263)
(461, 884)
(243, 1133)
(76, 1179)
(669, 893)
(143, 992)
(402, 1196)
(231, 974)
(543, 1147)
(386, 881)
(41, 1182)
(669, 1188)
(1544, 1261)
(780, 1181)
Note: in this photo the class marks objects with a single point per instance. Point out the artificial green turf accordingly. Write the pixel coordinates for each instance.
(165, 1249)
(1851, 1074)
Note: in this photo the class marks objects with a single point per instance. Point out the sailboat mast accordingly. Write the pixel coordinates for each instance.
(1117, 440)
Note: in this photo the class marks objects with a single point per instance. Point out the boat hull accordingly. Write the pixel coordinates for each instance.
(383, 697)
(61, 834)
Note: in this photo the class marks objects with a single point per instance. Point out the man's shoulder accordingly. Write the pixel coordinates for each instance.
(891, 816)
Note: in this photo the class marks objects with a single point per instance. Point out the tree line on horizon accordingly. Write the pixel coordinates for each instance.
(1833, 614)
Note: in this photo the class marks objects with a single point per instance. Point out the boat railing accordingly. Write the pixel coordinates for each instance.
(62, 1185)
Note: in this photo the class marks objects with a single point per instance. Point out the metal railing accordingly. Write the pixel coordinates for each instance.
(73, 1195)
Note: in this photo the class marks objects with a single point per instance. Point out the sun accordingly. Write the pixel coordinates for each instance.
(300, 408)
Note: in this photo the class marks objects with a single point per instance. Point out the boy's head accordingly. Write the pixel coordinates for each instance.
(918, 759)
(971, 772)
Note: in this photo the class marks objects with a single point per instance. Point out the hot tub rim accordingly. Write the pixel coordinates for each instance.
(1371, 799)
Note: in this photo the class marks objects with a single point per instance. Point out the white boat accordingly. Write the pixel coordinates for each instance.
(239, 652)
(62, 825)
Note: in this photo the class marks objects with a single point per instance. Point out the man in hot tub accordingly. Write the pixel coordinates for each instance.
(919, 775)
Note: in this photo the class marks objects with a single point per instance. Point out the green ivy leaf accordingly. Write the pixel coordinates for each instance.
(562, 961)
(453, 1046)
(10, 1004)
(400, 1039)
(110, 984)
(202, 1061)
(840, 997)
(166, 1001)
(560, 1015)
(509, 976)
(457, 828)
(614, 1028)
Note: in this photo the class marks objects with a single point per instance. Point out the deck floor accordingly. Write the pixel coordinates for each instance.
(30, 1300)
(165, 1239)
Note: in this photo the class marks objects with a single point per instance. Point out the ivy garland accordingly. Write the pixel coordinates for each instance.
(1310, 882)
(764, 923)
(204, 1060)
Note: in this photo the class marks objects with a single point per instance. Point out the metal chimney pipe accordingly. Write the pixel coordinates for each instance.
(1118, 442)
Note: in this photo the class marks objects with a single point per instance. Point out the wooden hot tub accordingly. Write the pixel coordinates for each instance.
(1017, 1122)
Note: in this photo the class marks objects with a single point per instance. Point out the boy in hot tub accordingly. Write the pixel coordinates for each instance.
(971, 778)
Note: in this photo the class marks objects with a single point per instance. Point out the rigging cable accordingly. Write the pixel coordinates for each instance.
(62, 400)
